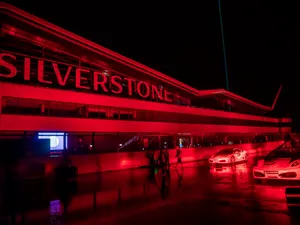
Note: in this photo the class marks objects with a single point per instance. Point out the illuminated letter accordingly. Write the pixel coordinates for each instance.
(166, 96)
(41, 73)
(147, 89)
(61, 81)
(79, 78)
(129, 85)
(115, 83)
(27, 68)
(97, 82)
(10, 67)
(156, 92)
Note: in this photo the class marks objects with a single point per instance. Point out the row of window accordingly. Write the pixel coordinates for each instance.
(101, 143)
(57, 109)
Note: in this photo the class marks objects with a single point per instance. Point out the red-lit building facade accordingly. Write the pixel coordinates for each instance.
(54, 81)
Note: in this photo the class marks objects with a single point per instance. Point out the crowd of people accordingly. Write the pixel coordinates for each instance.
(162, 162)
(163, 159)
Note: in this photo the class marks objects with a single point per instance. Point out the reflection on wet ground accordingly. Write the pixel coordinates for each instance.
(223, 189)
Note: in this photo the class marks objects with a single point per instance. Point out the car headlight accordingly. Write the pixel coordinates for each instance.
(296, 163)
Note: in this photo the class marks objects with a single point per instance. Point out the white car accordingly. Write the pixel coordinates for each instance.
(229, 155)
(282, 163)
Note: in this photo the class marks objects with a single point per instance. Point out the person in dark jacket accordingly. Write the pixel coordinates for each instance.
(167, 159)
(161, 158)
(179, 157)
(150, 156)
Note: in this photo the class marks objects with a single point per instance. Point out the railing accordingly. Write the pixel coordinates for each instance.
(21, 106)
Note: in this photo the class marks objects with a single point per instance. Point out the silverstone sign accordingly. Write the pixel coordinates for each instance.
(24, 69)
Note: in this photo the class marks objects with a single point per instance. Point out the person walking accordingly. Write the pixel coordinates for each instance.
(179, 157)
(167, 159)
(150, 156)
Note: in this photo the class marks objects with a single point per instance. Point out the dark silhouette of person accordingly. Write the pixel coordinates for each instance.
(179, 157)
(161, 159)
(180, 177)
(167, 159)
(287, 137)
(10, 196)
(150, 156)
(165, 184)
(289, 142)
(66, 184)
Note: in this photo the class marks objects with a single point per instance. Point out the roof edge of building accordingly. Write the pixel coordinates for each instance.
(235, 96)
(122, 59)
(98, 48)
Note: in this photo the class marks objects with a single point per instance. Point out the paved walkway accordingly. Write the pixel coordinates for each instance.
(121, 192)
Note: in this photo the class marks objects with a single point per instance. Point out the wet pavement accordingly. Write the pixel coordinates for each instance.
(196, 194)
(203, 212)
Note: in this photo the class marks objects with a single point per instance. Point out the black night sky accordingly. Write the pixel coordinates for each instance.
(183, 40)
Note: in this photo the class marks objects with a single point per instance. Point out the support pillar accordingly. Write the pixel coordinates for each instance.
(43, 108)
(134, 115)
(159, 141)
(83, 111)
(142, 142)
(226, 140)
(175, 141)
(24, 135)
(191, 141)
(65, 140)
(109, 113)
(86, 111)
(93, 141)
(202, 137)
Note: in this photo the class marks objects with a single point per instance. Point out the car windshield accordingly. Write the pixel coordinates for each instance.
(225, 151)
(284, 153)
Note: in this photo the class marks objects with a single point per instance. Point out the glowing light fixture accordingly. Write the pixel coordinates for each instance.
(57, 140)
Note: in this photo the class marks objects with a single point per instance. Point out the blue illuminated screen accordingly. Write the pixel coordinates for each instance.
(56, 140)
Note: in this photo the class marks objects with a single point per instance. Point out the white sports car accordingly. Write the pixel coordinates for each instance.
(229, 155)
(282, 163)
